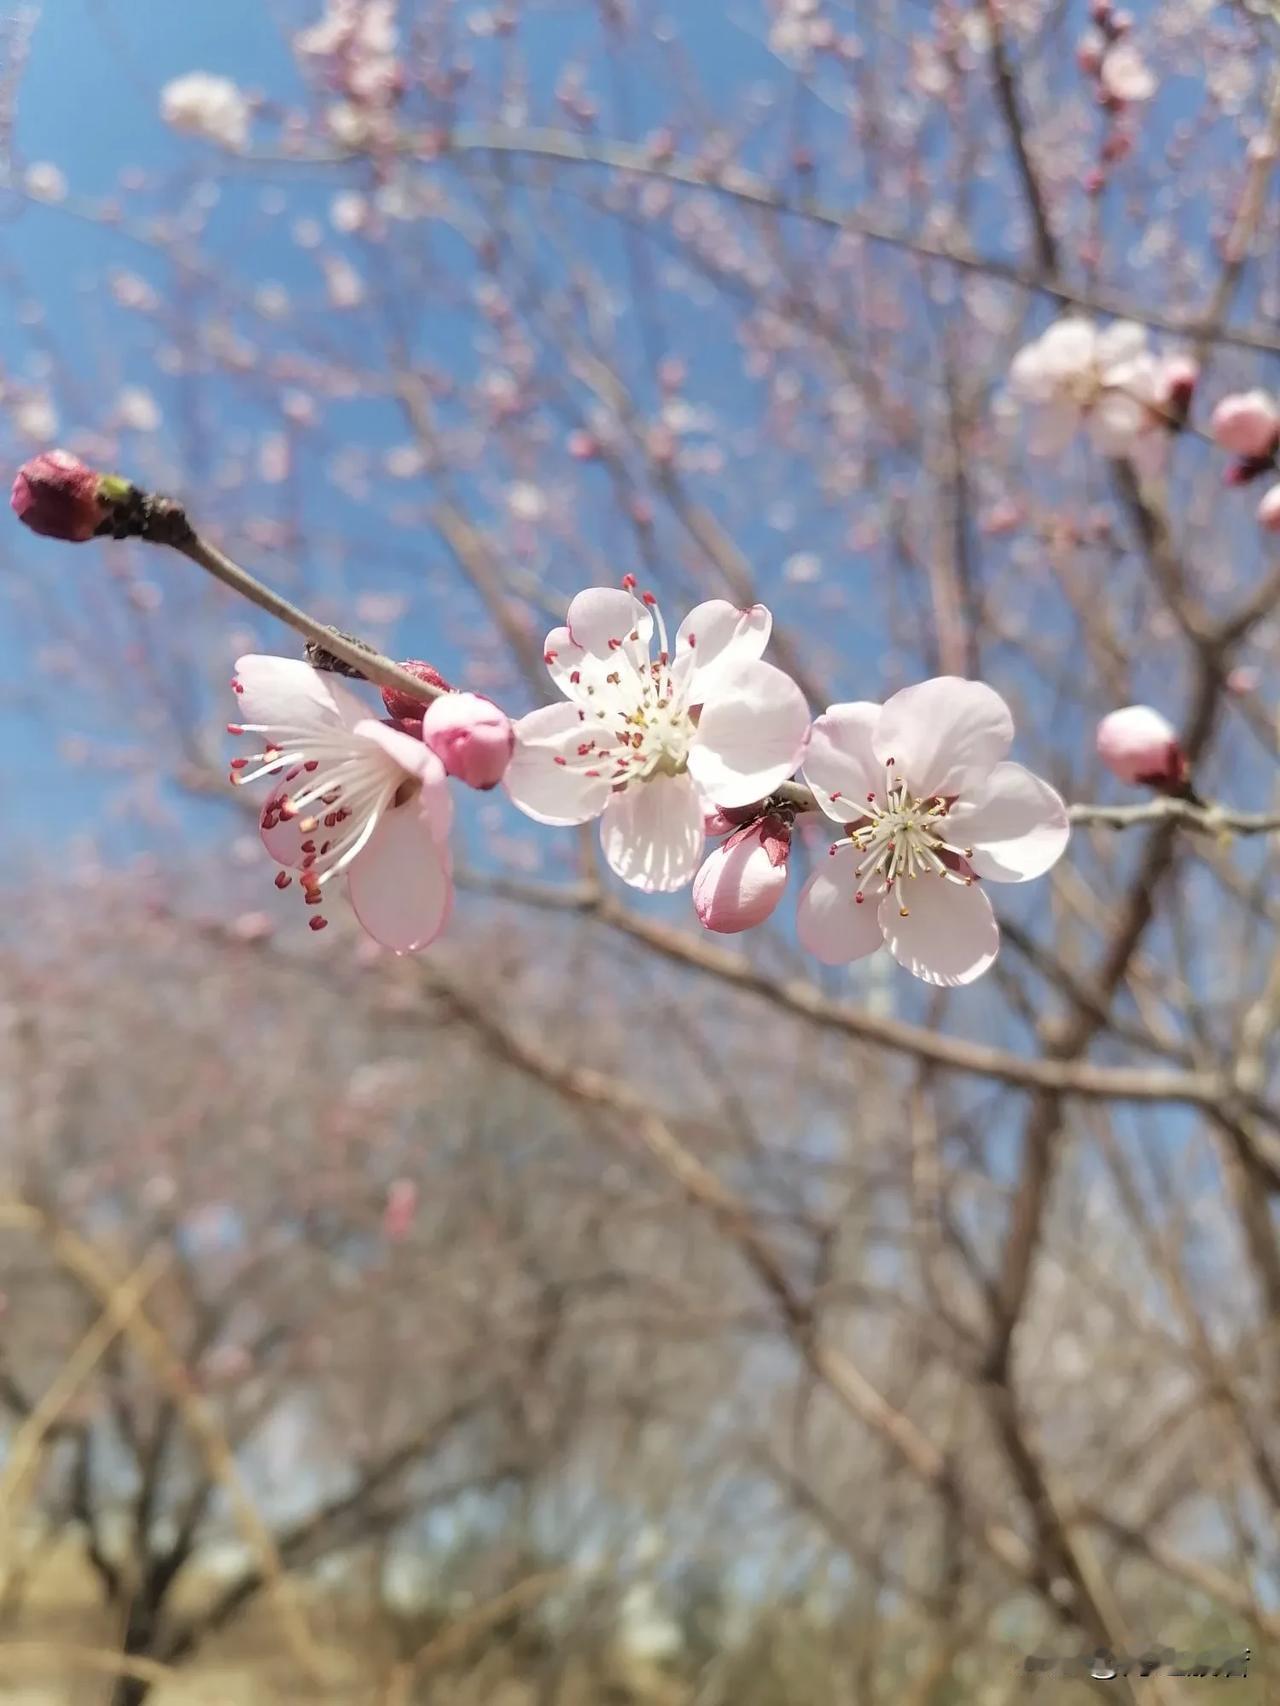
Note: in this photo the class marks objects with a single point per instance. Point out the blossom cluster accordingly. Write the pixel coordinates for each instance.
(668, 741)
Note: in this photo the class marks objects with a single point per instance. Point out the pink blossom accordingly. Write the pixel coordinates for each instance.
(470, 736)
(1141, 747)
(1074, 377)
(55, 494)
(401, 1210)
(626, 746)
(1269, 510)
(1246, 424)
(207, 106)
(932, 809)
(741, 883)
(351, 796)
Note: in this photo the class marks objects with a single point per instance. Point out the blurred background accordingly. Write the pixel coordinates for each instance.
(593, 1310)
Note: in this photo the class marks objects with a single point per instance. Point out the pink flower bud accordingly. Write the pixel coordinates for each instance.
(471, 737)
(1140, 746)
(1269, 510)
(740, 883)
(1246, 424)
(403, 706)
(57, 495)
(1176, 384)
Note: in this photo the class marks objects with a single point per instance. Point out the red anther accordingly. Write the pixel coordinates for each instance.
(560, 760)
(318, 923)
(312, 897)
(871, 799)
(629, 583)
(283, 879)
(308, 846)
(693, 639)
(238, 763)
(649, 599)
(831, 852)
(615, 645)
(550, 657)
(859, 897)
(575, 677)
(237, 686)
(311, 765)
(235, 728)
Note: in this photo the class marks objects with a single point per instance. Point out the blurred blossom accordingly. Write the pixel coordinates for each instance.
(348, 211)
(45, 182)
(138, 409)
(36, 417)
(1125, 75)
(344, 284)
(208, 106)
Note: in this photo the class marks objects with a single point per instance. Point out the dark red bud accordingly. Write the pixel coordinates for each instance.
(58, 496)
(403, 705)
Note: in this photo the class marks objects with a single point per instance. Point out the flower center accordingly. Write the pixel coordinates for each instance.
(644, 727)
(900, 836)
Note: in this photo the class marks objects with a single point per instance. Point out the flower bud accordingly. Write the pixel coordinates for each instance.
(1140, 746)
(470, 736)
(403, 706)
(740, 883)
(1176, 385)
(57, 495)
(1246, 424)
(1269, 510)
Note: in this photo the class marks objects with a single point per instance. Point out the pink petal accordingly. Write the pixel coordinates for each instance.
(943, 733)
(1016, 824)
(401, 887)
(716, 635)
(417, 761)
(830, 923)
(604, 618)
(548, 791)
(839, 762)
(652, 835)
(739, 884)
(949, 936)
(751, 736)
(284, 693)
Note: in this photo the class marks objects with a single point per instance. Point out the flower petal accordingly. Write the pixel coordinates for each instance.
(751, 736)
(401, 885)
(547, 777)
(1016, 824)
(716, 635)
(839, 763)
(287, 694)
(605, 618)
(418, 761)
(943, 733)
(949, 936)
(652, 833)
(1122, 341)
(830, 923)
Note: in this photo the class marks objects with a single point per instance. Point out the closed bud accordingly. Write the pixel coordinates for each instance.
(1247, 425)
(403, 706)
(740, 883)
(470, 736)
(1141, 747)
(58, 496)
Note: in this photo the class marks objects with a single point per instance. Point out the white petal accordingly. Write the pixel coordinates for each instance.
(576, 672)
(557, 793)
(285, 693)
(830, 923)
(1069, 347)
(839, 762)
(949, 936)
(1016, 824)
(1122, 341)
(751, 736)
(1115, 422)
(400, 885)
(603, 619)
(716, 635)
(652, 834)
(943, 733)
